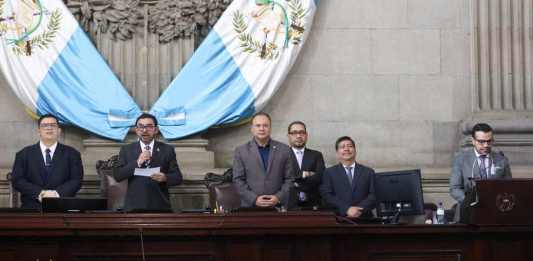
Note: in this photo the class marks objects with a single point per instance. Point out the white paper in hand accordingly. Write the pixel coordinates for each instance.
(145, 172)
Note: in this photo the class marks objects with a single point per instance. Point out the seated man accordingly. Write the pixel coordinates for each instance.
(263, 169)
(48, 168)
(309, 168)
(479, 162)
(348, 186)
(148, 192)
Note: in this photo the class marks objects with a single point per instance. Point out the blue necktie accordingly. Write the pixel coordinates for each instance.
(47, 165)
(349, 174)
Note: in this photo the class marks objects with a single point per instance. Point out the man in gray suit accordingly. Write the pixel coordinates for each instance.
(263, 169)
(479, 162)
(148, 193)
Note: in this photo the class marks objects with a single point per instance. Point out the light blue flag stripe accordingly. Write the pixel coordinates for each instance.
(80, 89)
(210, 89)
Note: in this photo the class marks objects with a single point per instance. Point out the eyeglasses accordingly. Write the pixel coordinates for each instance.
(302, 132)
(145, 127)
(483, 142)
(48, 125)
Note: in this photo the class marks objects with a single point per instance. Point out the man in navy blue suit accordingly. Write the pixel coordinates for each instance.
(348, 186)
(48, 168)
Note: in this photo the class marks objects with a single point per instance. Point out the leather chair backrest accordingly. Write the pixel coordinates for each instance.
(224, 196)
(114, 191)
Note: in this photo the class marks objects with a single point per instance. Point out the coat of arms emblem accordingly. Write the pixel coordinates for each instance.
(277, 24)
(22, 25)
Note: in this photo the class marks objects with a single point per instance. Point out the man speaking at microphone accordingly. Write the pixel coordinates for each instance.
(150, 167)
(479, 162)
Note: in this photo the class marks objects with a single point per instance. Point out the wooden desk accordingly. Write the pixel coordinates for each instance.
(250, 236)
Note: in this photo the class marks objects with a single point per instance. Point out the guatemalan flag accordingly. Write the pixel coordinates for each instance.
(53, 67)
(237, 68)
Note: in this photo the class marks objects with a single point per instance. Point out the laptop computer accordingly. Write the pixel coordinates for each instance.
(73, 204)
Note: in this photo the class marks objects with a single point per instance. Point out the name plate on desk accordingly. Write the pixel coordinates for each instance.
(503, 201)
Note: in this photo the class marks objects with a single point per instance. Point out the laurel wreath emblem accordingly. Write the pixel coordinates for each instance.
(43, 39)
(270, 50)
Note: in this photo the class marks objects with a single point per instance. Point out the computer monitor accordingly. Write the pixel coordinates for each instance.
(399, 193)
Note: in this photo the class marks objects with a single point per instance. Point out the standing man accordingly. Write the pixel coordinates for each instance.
(148, 192)
(349, 186)
(309, 168)
(263, 169)
(48, 168)
(479, 162)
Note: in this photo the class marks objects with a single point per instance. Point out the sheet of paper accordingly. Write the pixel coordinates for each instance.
(145, 172)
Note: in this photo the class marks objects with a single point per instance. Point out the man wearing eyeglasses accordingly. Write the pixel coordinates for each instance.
(48, 168)
(479, 162)
(309, 166)
(148, 191)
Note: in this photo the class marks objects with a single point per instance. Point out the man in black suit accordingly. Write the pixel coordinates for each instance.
(349, 186)
(48, 168)
(148, 193)
(309, 165)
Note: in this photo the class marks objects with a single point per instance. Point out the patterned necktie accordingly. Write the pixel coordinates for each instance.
(48, 161)
(483, 167)
(299, 158)
(349, 174)
(147, 163)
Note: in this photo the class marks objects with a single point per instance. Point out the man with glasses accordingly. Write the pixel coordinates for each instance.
(309, 166)
(48, 168)
(150, 167)
(349, 185)
(479, 162)
(263, 169)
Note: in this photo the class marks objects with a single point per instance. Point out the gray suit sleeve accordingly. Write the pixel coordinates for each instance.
(239, 179)
(288, 178)
(456, 178)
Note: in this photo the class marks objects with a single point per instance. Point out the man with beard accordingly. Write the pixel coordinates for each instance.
(309, 165)
(349, 186)
(148, 193)
(479, 162)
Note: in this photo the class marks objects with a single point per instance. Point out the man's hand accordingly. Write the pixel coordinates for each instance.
(266, 201)
(143, 157)
(47, 194)
(159, 177)
(354, 212)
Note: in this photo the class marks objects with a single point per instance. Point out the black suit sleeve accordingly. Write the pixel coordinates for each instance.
(174, 176)
(19, 179)
(126, 165)
(315, 180)
(75, 169)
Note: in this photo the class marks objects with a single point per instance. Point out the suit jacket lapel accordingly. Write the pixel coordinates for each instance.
(356, 175)
(155, 154)
(252, 147)
(36, 153)
(342, 171)
(473, 164)
(271, 155)
(57, 159)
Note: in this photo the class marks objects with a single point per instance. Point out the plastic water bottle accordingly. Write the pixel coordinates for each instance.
(440, 214)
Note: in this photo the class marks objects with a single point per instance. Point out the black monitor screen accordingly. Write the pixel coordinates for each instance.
(399, 190)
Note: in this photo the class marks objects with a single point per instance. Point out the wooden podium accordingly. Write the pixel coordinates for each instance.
(503, 201)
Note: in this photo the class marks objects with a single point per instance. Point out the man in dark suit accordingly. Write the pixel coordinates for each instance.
(148, 193)
(348, 186)
(48, 168)
(479, 162)
(263, 169)
(309, 165)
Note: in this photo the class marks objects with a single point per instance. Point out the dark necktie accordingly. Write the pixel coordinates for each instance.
(483, 167)
(47, 165)
(48, 161)
(349, 174)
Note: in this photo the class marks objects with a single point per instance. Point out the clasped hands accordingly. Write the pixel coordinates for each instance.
(266, 201)
(47, 194)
